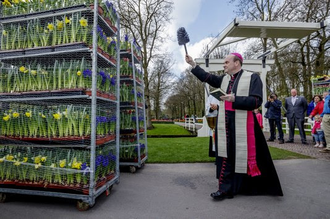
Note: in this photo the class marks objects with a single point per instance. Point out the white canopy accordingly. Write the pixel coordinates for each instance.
(239, 30)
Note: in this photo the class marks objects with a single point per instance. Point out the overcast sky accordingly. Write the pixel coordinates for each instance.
(202, 20)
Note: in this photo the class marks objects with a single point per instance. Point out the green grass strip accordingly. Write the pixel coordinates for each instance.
(195, 149)
(168, 129)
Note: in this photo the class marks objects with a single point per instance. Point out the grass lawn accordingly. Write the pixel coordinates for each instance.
(195, 149)
(168, 129)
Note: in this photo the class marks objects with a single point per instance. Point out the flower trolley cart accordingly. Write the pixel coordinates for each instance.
(59, 97)
(133, 136)
(320, 84)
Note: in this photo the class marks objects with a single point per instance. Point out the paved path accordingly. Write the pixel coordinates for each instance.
(179, 191)
(297, 147)
(182, 191)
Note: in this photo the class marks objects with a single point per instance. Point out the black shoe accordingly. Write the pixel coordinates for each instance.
(281, 141)
(270, 139)
(304, 142)
(221, 195)
(289, 141)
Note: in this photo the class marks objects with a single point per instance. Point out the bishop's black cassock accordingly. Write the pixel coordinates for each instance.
(231, 182)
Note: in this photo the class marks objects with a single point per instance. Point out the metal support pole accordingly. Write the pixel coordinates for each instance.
(93, 117)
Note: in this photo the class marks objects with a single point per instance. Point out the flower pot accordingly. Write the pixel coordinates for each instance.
(114, 28)
(108, 21)
(99, 9)
(100, 141)
(113, 60)
(106, 55)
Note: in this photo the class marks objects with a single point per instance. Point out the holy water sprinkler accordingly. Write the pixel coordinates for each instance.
(183, 37)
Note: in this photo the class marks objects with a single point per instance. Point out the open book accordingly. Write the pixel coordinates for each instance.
(217, 93)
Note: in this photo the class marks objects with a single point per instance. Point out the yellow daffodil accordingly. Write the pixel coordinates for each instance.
(111, 76)
(53, 165)
(25, 159)
(33, 72)
(83, 22)
(79, 73)
(6, 118)
(22, 69)
(75, 164)
(44, 72)
(9, 157)
(28, 114)
(57, 116)
(62, 163)
(59, 25)
(37, 159)
(67, 20)
(16, 1)
(37, 165)
(43, 116)
(50, 26)
(1, 160)
(17, 163)
(4, 33)
(43, 159)
(7, 3)
(15, 114)
(41, 1)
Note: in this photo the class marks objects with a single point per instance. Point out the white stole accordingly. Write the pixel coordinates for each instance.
(243, 88)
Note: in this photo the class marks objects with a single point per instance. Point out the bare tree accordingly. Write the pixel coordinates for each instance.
(146, 21)
(295, 64)
(160, 81)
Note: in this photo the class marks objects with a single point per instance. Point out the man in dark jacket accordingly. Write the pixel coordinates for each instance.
(273, 106)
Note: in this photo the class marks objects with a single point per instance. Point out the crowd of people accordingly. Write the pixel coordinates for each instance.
(295, 108)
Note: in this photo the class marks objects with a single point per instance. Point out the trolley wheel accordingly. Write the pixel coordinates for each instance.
(3, 197)
(82, 206)
(132, 169)
(108, 191)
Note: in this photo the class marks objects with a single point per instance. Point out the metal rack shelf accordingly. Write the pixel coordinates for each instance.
(141, 136)
(129, 79)
(89, 147)
(86, 10)
(72, 51)
(128, 54)
(52, 142)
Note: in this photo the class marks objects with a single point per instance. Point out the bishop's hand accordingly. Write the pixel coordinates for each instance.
(190, 61)
(228, 97)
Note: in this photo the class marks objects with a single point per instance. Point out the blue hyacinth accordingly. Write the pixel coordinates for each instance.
(87, 73)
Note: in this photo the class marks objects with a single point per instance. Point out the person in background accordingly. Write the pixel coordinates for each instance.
(310, 107)
(318, 133)
(319, 104)
(273, 106)
(326, 123)
(296, 107)
(259, 117)
(212, 103)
